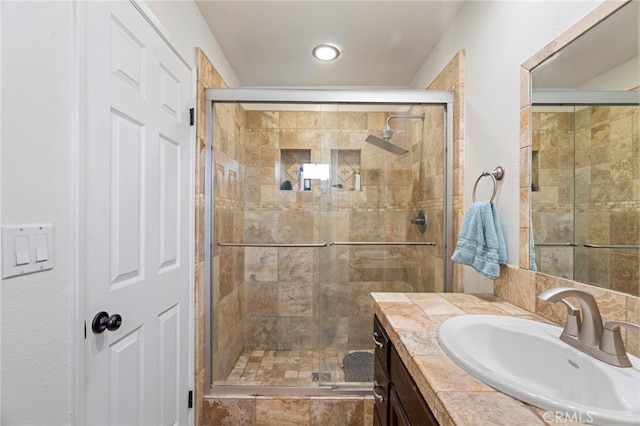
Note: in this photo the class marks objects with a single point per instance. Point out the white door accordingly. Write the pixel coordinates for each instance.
(136, 225)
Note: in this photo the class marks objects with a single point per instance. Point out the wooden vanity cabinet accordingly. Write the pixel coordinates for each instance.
(398, 401)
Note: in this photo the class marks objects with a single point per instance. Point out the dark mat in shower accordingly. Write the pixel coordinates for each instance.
(358, 367)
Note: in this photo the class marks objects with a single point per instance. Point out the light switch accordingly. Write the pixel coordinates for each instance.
(26, 249)
(42, 247)
(21, 250)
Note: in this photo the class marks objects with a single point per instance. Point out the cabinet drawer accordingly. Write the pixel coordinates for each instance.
(415, 407)
(382, 343)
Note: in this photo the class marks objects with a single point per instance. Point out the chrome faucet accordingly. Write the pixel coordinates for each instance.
(589, 335)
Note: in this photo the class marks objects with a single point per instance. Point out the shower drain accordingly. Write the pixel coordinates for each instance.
(321, 377)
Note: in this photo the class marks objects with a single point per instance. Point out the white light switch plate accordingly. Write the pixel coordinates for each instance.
(26, 249)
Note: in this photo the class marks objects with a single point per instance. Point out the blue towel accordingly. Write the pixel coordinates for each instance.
(480, 242)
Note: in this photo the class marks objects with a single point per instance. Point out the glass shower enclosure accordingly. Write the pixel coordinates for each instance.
(313, 202)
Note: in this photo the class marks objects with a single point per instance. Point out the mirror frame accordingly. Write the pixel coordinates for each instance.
(599, 14)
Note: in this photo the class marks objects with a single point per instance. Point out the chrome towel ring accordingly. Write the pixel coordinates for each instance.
(496, 174)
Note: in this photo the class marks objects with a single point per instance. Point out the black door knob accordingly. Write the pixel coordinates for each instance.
(103, 321)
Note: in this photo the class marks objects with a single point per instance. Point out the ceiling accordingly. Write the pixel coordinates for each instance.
(384, 43)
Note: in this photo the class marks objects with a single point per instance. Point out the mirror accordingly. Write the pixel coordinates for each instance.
(584, 157)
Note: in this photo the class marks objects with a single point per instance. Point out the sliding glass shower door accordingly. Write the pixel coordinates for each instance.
(308, 219)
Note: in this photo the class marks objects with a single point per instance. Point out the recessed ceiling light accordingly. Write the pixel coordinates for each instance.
(326, 52)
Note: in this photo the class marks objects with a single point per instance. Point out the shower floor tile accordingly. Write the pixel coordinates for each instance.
(293, 368)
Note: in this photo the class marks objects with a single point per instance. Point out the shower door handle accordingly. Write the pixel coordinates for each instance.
(103, 321)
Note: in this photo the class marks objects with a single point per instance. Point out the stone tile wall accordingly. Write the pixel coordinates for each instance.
(424, 265)
(317, 298)
(227, 263)
(228, 216)
(268, 411)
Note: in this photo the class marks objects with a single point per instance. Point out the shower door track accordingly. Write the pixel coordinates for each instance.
(316, 96)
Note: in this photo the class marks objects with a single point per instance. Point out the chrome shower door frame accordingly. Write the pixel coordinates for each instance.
(318, 96)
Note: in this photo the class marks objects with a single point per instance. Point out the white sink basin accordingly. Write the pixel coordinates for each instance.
(526, 360)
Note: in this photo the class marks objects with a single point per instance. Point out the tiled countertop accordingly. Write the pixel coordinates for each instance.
(455, 397)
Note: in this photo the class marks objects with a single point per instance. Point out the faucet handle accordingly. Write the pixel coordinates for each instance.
(611, 342)
(572, 324)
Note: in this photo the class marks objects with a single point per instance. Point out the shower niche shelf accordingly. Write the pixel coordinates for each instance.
(290, 162)
(345, 163)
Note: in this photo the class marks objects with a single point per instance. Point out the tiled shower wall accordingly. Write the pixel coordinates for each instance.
(424, 265)
(228, 215)
(607, 210)
(227, 263)
(317, 298)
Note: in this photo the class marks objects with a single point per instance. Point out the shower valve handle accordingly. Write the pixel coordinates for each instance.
(421, 221)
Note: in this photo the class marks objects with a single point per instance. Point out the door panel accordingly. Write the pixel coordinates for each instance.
(168, 365)
(126, 379)
(127, 200)
(136, 236)
(169, 229)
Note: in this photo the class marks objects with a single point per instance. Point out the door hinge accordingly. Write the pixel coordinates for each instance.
(191, 116)
(190, 399)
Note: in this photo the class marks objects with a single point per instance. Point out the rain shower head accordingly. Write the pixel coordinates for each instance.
(386, 145)
(387, 134)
